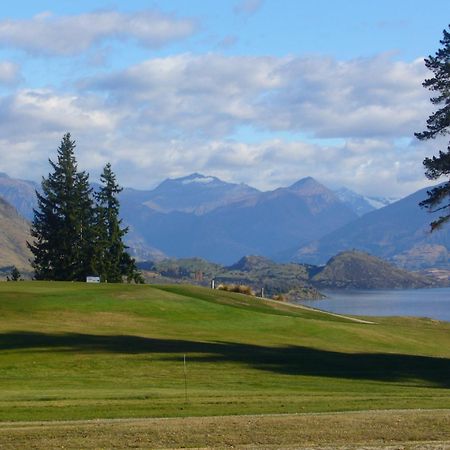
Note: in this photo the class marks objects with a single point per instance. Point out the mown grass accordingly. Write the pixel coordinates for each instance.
(77, 351)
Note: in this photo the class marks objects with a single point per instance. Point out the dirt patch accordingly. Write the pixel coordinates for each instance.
(411, 429)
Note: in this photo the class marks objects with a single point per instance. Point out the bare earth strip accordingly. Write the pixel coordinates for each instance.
(399, 429)
(277, 303)
(350, 318)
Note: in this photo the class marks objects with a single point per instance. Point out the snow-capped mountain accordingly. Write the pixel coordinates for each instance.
(195, 193)
(361, 204)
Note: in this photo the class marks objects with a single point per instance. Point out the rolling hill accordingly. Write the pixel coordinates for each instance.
(347, 270)
(80, 351)
(358, 270)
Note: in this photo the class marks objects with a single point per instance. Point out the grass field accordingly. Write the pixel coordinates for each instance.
(77, 351)
(71, 351)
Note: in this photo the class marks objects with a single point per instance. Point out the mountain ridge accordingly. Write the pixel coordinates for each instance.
(201, 215)
(14, 233)
(389, 233)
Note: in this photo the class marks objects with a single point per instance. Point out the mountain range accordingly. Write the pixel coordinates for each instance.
(399, 232)
(19, 193)
(203, 216)
(218, 221)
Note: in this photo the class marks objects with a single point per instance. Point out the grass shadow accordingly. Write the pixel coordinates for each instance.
(290, 360)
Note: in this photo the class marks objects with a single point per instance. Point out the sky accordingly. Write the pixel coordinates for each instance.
(263, 92)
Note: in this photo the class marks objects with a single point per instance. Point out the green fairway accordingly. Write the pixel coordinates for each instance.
(80, 351)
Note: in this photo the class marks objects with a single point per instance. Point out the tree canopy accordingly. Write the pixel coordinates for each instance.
(112, 260)
(438, 124)
(77, 233)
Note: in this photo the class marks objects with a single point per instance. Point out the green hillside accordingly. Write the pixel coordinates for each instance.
(77, 351)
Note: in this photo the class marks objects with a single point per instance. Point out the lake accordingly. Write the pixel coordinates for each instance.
(432, 303)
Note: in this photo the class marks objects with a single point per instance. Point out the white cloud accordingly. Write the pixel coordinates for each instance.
(357, 98)
(212, 95)
(171, 116)
(39, 110)
(192, 95)
(70, 35)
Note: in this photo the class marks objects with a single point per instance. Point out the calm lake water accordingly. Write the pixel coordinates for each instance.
(432, 303)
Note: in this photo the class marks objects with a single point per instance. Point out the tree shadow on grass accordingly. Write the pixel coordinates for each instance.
(290, 360)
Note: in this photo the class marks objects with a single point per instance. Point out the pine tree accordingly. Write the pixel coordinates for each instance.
(112, 261)
(438, 124)
(63, 222)
(15, 274)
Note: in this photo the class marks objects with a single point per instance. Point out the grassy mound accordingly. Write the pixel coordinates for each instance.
(77, 351)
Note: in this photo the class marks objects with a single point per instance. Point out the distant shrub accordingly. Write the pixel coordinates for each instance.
(15, 275)
(239, 288)
(279, 297)
(243, 289)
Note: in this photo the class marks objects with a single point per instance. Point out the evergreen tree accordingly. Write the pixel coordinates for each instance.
(63, 223)
(112, 261)
(439, 124)
(15, 274)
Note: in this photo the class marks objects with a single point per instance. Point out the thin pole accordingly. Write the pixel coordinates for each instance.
(185, 379)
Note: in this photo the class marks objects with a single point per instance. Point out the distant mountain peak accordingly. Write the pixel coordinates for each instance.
(305, 182)
(310, 186)
(194, 179)
(397, 232)
(361, 204)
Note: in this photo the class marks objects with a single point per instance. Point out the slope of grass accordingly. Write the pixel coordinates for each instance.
(77, 351)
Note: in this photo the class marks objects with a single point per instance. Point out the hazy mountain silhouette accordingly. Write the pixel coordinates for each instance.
(399, 232)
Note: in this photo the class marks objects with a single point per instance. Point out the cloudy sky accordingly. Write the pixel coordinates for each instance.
(257, 91)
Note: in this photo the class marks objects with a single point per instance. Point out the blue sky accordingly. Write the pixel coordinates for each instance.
(257, 91)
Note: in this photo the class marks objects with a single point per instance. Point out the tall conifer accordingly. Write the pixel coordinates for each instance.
(63, 222)
(438, 124)
(110, 246)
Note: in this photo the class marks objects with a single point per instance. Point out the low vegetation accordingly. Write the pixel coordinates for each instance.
(239, 288)
(78, 351)
(374, 430)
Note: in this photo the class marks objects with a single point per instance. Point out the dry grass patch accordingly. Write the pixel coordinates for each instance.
(376, 429)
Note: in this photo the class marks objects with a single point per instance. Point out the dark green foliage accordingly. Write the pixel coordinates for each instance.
(63, 222)
(438, 124)
(73, 237)
(111, 260)
(15, 274)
